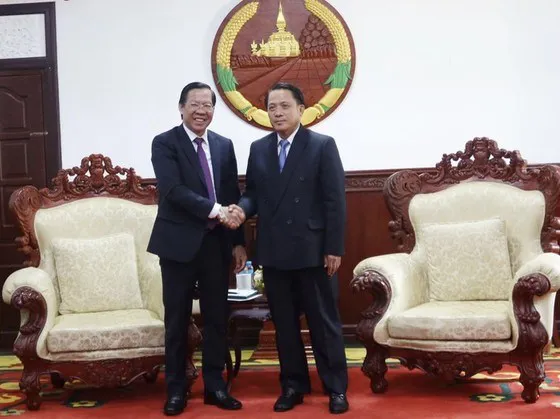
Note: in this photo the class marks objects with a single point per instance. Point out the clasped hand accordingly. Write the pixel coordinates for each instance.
(232, 216)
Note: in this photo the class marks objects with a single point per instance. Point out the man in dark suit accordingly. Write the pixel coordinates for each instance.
(196, 173)
(295, 183)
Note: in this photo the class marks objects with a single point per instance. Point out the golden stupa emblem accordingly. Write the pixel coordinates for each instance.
(303, 42)
(280, 44)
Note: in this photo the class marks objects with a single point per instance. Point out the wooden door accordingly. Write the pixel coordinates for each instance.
(29, 129)
(22, 162)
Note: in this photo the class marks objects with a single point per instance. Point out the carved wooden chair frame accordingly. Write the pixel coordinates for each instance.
(481, 160)
(96, 177)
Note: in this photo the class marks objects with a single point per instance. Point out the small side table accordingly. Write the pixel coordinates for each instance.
(246, 310)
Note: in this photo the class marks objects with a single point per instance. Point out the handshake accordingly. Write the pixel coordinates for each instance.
(232, 216)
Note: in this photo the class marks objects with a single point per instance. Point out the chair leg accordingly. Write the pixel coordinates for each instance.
(151, 377)
(31, 386)
(57, 380)
(531, 377)
(375, 367)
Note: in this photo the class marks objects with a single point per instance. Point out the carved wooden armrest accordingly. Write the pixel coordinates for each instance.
(397, 280)
(540, 277)
(31, 291)
(547, 264)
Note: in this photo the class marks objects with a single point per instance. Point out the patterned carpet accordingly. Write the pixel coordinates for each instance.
(411, 394)
(354, 357)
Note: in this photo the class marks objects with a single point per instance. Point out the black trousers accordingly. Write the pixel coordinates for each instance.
(210, 268)
(311, 291)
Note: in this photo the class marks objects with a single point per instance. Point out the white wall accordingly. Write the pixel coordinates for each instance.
(430, 75)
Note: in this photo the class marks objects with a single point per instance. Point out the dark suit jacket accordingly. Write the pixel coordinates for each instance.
(183, 199)
(301, 211)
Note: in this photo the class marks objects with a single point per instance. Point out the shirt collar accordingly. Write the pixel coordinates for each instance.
(290, 138)
(192, 135)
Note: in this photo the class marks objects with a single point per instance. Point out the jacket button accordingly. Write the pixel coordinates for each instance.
(289, 221)
(301, 178)
(266, 201)
(296, 200)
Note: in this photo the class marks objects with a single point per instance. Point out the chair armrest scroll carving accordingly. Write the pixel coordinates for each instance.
(31, 291)
(406, 280)
(547, 264)
(397, 282)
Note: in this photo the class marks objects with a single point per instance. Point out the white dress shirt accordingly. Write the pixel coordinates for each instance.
(290, 140)
(206, 148)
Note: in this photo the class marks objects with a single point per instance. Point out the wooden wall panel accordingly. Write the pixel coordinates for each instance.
(367, 235)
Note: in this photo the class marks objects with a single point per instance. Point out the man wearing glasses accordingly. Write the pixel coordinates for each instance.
(196, 173)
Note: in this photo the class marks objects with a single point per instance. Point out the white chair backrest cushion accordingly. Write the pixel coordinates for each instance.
(522, 211)
(97, 274)
(97, 217)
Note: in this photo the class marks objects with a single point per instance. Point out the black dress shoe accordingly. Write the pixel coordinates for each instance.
(174, 405)
(288, 400)
(221, 399)
(338, 403)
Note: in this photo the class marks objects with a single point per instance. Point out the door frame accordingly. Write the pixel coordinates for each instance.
(48, 67)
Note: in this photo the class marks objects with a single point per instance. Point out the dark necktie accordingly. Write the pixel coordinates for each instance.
(205, 169)
(283, 155)
(207, 178)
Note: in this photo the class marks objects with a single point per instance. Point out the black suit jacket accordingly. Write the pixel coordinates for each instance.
(183, 199)
(301, 211)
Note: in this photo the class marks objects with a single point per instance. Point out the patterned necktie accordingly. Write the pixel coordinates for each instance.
(205, 169)
(282, 156)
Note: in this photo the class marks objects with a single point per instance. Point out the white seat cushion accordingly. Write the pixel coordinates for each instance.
(123, 329)
(453, 321)
(98, 274)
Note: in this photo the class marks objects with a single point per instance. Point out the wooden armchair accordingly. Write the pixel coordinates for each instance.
(474, 286)
(91, 297)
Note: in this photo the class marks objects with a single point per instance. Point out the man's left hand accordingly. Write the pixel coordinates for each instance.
(332, 263)
(240, 257)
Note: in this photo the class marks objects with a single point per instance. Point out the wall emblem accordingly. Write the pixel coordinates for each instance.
(304, 42)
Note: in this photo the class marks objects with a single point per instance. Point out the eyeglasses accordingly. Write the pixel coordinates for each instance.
(204, 106)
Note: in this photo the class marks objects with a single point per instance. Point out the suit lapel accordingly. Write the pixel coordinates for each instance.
(295, 155)
(185, 143)
(272, 157)
(216, 161)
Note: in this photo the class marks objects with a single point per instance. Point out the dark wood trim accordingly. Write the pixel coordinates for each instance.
(34, 63)
(49, 67)
(356, 181)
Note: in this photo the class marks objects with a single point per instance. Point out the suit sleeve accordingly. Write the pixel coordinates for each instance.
(238, 236)
(166, 169)
(334, 197)
(249, 199)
